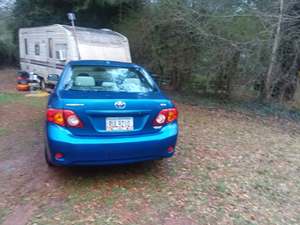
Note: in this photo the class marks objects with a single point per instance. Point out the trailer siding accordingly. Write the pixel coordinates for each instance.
(93, 44)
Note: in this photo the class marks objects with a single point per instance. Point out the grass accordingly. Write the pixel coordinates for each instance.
(6, 98)
(9, 98)
(240, 220)
(3, 131)
(3, 213)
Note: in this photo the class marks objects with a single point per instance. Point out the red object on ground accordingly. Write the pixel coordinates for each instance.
(22, 87)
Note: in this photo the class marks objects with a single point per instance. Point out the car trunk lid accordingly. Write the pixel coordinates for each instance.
(97, 109)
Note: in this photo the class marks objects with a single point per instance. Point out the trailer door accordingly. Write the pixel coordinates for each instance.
(50, 56)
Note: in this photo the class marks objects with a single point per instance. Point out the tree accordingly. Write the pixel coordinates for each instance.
(282, 76)
(196, 44)
(7, 46)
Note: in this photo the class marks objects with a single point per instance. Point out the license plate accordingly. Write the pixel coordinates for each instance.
(119, 124)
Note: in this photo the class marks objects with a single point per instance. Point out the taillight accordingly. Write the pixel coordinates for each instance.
(72, 119)
(166, 116)
(64, 118)
(56, 116)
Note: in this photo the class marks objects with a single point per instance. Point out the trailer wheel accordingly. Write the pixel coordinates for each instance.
(42, 84)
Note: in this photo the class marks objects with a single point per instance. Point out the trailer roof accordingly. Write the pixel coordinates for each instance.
(104, 31)
(92, 30)
(102, 63)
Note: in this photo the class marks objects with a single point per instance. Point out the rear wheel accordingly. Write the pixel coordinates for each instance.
(48, 161)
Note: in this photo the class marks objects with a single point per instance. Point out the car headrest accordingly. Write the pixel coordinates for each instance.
(85, 81)
(134, 81)
(110, 86)
(83, 75)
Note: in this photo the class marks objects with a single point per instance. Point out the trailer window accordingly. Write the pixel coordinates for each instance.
(26, 46)
(37, 48)
(50, 47)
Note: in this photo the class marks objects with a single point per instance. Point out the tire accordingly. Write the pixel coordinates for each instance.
(42, 84)
(48, 161)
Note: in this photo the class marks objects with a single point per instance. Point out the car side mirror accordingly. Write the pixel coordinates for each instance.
(52, 80)
(154, 76)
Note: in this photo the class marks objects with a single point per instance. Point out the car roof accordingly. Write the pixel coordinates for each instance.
(102, 63)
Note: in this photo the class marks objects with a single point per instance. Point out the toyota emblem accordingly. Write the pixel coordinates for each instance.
(120, 105)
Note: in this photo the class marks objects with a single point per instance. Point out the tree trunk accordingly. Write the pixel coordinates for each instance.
(120, 12)
(232, 72)
(269, 78)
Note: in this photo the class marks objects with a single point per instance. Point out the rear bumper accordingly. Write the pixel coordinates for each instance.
(108, 150)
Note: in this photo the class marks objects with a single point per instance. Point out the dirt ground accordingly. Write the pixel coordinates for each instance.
(230, 168)
(8, 78)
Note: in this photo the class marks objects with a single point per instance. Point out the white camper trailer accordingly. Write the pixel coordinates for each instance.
(46, 50)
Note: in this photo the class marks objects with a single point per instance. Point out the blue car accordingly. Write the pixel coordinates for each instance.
(104, 112)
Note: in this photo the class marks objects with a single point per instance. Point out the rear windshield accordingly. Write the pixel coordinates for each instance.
(113, 79)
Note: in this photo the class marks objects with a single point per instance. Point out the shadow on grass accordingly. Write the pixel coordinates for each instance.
(135, 169)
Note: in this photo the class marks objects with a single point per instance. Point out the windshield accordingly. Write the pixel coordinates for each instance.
(113, 79)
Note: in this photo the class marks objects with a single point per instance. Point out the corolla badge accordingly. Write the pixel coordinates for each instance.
(120, 105)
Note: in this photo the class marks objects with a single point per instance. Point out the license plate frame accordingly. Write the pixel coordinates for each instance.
(119, 124)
